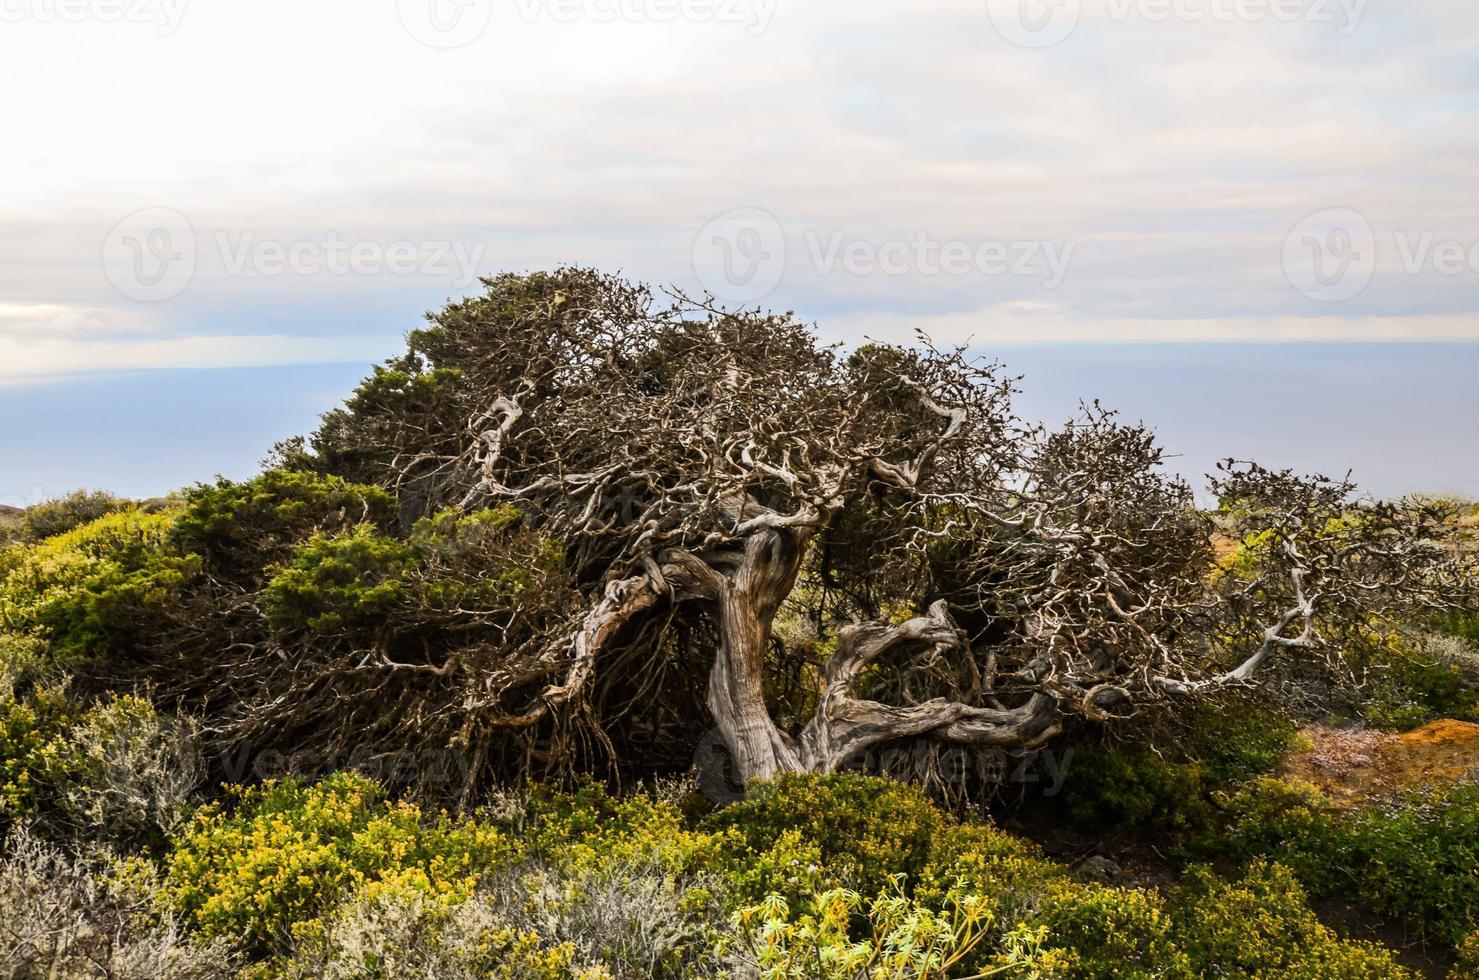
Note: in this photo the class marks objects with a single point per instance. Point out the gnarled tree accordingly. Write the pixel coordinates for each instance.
(968, 577)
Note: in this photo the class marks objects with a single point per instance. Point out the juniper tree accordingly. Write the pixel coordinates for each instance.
(970, 577)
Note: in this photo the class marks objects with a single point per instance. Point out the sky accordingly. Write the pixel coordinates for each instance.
(214, 215)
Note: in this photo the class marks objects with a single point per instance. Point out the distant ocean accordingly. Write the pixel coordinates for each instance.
(1401, 417)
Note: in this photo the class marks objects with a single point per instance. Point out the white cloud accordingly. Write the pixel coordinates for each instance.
(26, 361)
(1175, 155)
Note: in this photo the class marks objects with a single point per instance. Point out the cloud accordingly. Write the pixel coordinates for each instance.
(1175, 156)
(21, 323)
(22, 362)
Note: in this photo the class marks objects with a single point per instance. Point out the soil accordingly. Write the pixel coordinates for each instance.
(1353, 766)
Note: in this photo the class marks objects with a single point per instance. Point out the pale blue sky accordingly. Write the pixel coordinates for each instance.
(178, 183)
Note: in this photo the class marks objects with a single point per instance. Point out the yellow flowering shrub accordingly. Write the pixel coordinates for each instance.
(1262, 926)
(273, 864)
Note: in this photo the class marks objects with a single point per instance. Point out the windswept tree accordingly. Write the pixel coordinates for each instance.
(967, 577)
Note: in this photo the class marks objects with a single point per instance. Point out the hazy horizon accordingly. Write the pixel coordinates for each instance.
(1322, 407)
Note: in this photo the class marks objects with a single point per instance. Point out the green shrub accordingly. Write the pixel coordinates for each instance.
(66, 513)
(1262, 926)
(1166, 775)
(857, 830)
(1415, 858)
(1411, 857)
(347, 580)
(1422, 678)
(589, 830)
(1112, 933)
(34, 710)
(1285, 820)
(353, 580)
(241, 528)
(104, 585)
(1467, 965)
(273, 864)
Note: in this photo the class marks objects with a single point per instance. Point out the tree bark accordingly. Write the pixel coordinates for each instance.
(747, 604)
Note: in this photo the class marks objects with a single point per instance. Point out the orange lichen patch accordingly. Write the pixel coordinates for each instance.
(1352, 766)
(1223, 545)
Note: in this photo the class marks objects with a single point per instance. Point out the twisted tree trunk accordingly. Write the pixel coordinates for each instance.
(747, 605)
(844, 725)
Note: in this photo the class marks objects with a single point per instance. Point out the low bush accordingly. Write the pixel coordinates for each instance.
(47, 520)
(860, 830)
(61, 918)
(1262, 926)
(121, 774)
(1164, 775)
(283, 855)
(904, 939)
(410, 934)
(1410, 857)
(34, 710)
(1467, 965)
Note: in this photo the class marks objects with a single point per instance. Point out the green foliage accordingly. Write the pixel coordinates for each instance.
(99, 586)
(355, 580)
(348, 580)
(1164, 779)
(242, 528)
(1262, 926)
(272, 865)
(1112, 933)
(33, 711)
(59, 516)
(1463, 625)
(1412, 857)
(862, 829)
(1421, 680)
(1467, 966)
